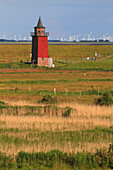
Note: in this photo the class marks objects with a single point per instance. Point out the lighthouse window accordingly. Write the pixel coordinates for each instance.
(38, 31)
(42, 40)
(42, 58)
(42, 49)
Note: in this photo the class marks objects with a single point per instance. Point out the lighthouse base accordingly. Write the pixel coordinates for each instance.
(42, 62)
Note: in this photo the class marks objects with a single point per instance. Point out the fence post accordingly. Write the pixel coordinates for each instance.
(7, 89)
(66, 91)
(55, 91)
(98, 91)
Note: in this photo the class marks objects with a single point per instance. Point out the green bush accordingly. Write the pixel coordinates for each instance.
(105, 99)
(48, 99)
(67, 112)
(102, 159)
(2, 103)
(6, 162)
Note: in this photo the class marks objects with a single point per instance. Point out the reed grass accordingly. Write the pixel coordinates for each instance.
(88, 128)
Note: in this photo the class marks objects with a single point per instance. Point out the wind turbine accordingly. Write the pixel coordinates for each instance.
(25, 38)
(64, 39)
(15, 37)
(74, 37)
(4, 35)
(104, 37)
(83, 38)
(61, 38)
(77, 36)
(110, 38)
(19, 36)
(31, 38)
(70, 38)
(93, 38)
(89, 36)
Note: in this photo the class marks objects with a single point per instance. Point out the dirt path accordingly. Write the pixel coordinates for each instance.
(109, 56)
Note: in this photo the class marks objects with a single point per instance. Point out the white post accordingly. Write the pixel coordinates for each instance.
(98, 91)
(66, 91)
(29, 88)
(55, 91)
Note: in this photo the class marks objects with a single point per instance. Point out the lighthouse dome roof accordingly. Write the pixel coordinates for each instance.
(39, 25)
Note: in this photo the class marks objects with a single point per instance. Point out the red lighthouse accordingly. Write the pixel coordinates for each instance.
(40, 45)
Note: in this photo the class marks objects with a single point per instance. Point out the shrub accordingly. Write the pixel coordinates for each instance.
(49, 99)
(2, 103)
(6, 162)
(67, 112)
(105, 99)
(16, 89)
(92, 91)
(102, 159)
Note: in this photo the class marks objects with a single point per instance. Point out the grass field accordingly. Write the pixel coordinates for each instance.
(34, 84)
(65, 57)
(87, 128)
(9, 53)
(28, 125)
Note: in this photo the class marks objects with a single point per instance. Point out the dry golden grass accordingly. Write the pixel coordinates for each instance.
(54, 124)
(66, 148)
(22, 103)
(79, 110)
(83, 118)
(90, 111)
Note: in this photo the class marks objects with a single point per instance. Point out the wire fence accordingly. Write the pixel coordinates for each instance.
(64, 92)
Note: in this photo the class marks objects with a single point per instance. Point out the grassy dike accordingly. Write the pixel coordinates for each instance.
(13, 53)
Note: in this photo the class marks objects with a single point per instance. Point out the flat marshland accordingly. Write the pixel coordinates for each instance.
(88, 128)
(33, 85)
(71, 124)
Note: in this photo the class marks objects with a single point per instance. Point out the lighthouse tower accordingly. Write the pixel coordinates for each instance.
(40, 45)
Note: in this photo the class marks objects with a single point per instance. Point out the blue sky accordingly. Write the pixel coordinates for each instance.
(60, 17)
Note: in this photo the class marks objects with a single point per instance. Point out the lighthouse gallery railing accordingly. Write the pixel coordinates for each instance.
(46, 34)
